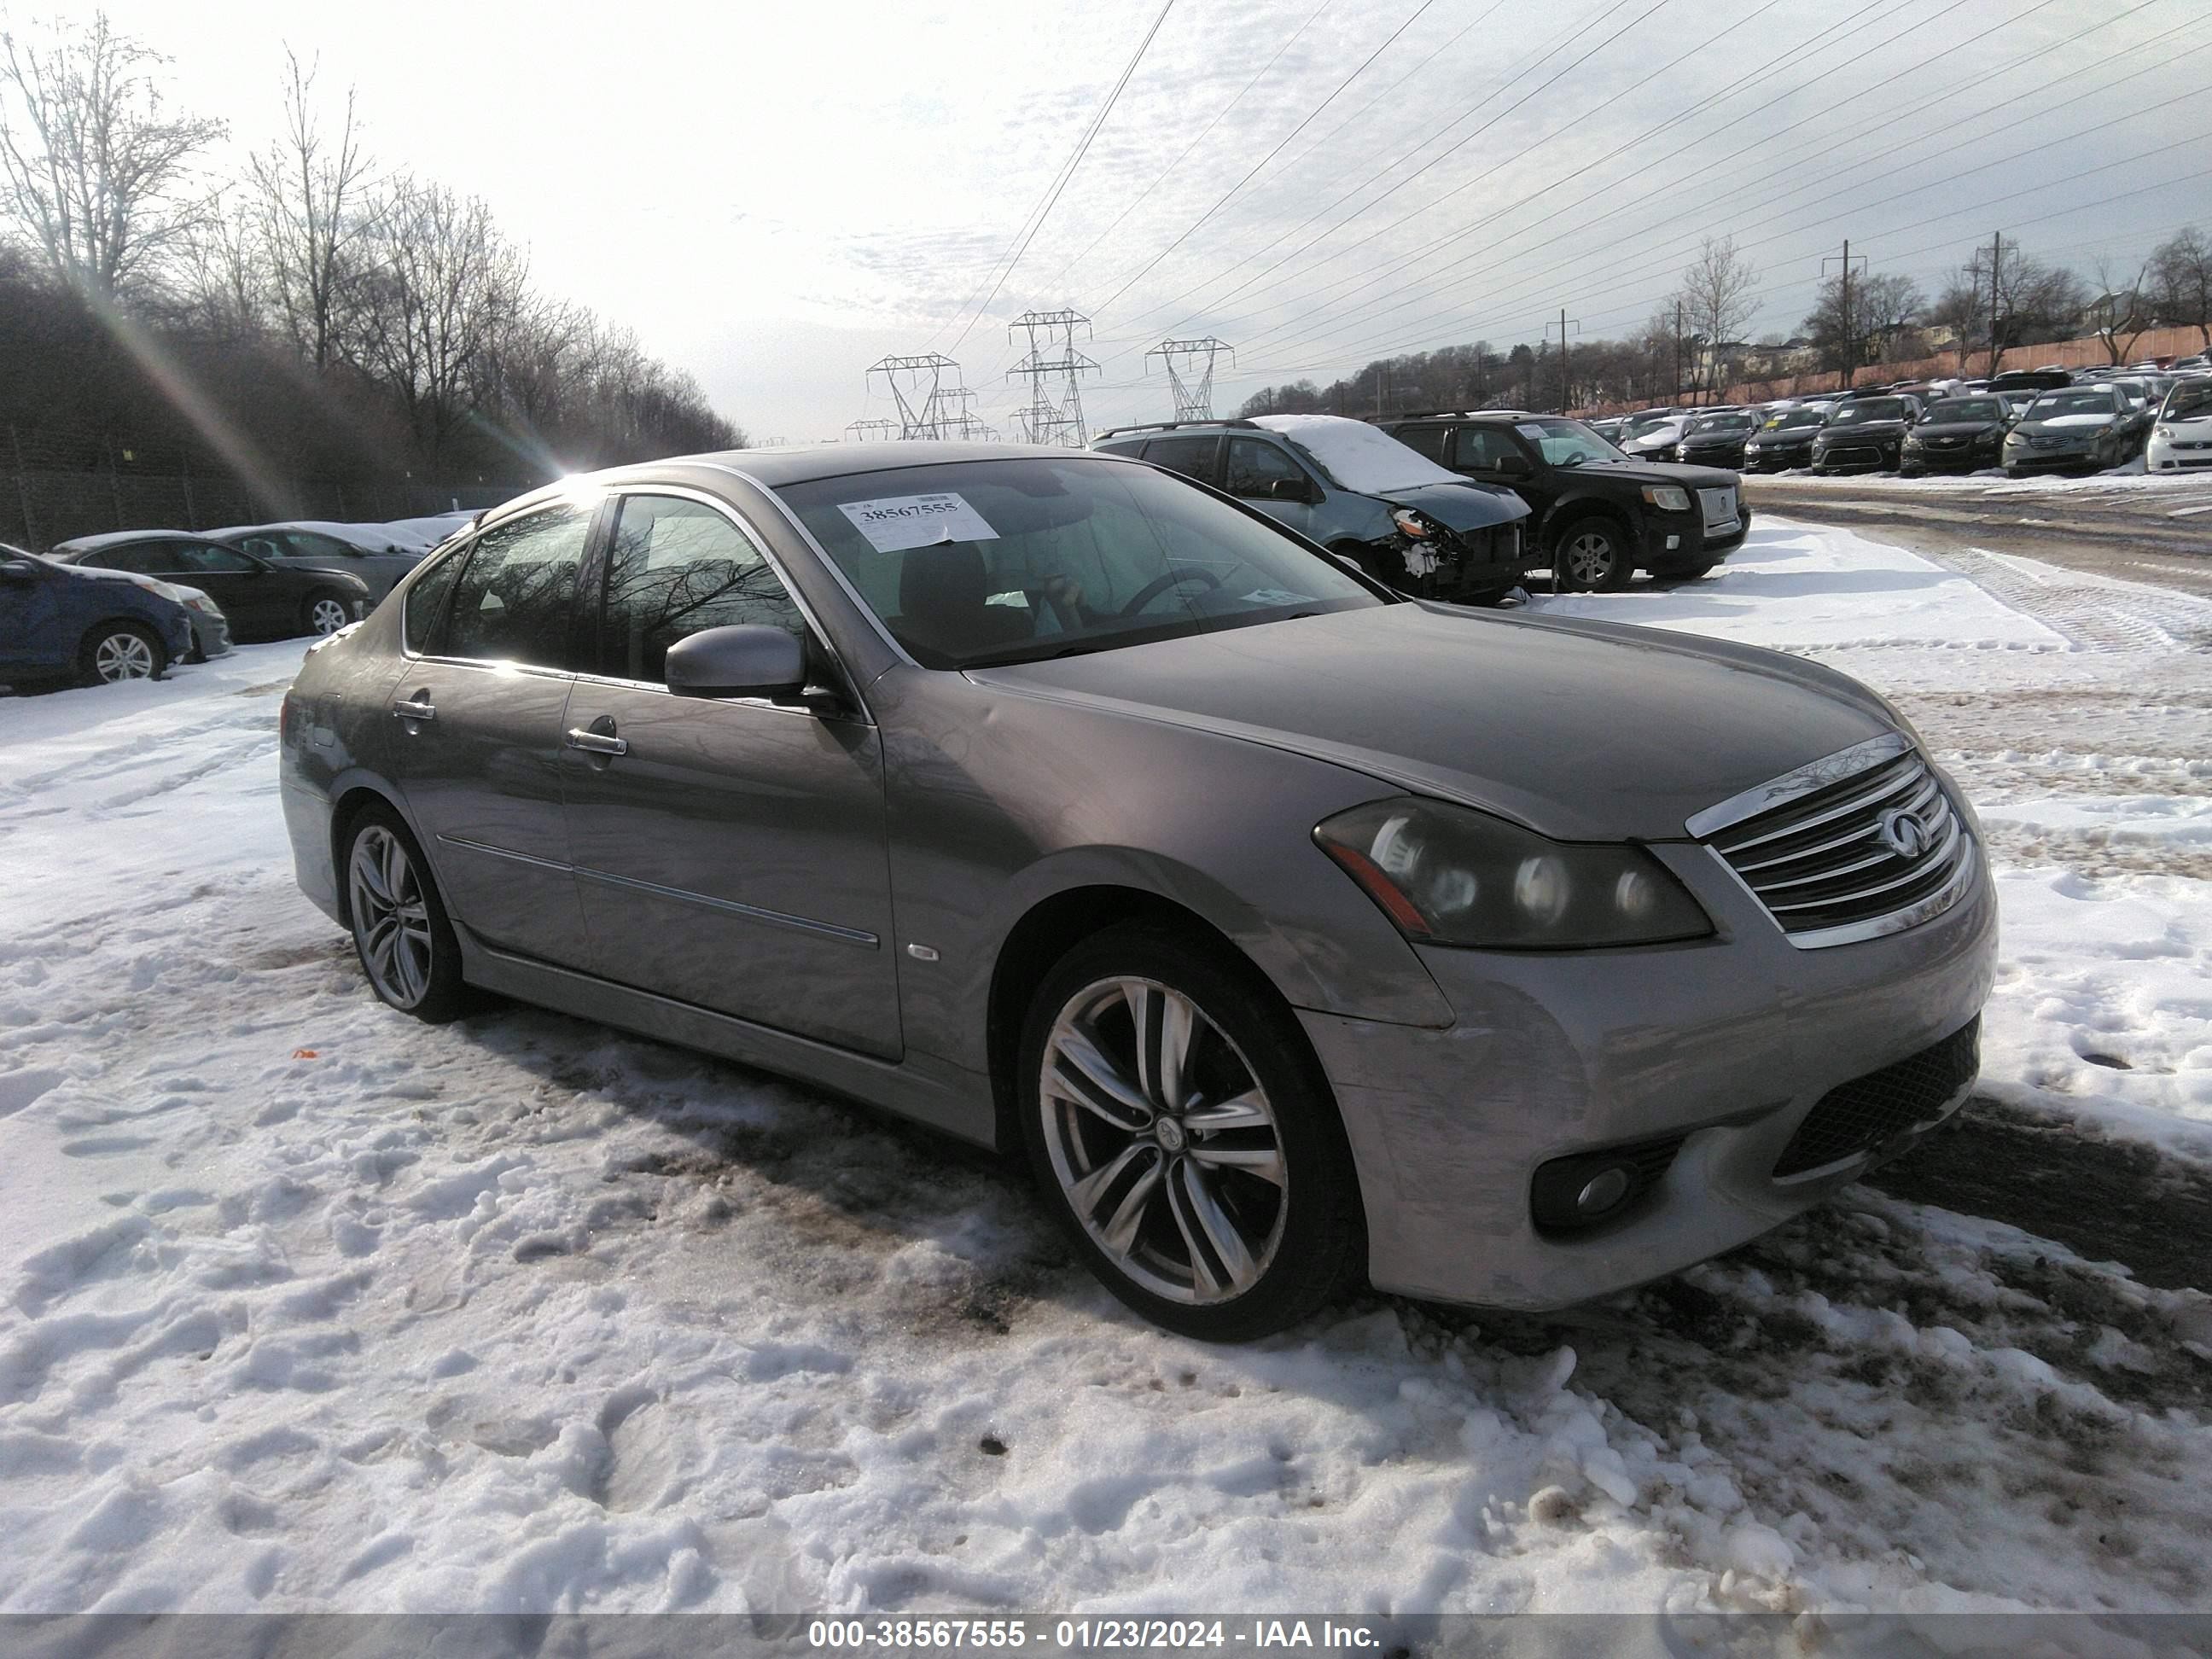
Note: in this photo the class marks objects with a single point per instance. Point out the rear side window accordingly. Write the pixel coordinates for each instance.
(1427, 440)
(677, 567)
(1192, 457)
(426, 599)
(515, 601)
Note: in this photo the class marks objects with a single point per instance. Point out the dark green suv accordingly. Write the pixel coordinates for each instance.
(1598, 516)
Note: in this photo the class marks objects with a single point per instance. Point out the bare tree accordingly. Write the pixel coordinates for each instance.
(311, 189)
(1717, 295)
(225, 287)
(2181, 270)
(441, 282)
(95, 168)
(2122, 312)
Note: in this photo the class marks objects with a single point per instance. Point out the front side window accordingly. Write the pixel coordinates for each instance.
(1483, 448)
(677, 567)
(1255, 467)
(1568, 443)
(514, 600)
(975, 562)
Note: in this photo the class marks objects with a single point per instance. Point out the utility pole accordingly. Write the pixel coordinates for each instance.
(1844, 314)
(1191, 386)
(1566, 384)
(1675, 398)
(1997, 258)
(1045, 422)
(920, 411)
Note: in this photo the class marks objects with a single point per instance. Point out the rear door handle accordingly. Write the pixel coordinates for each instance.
(597, 742)
(415, 709)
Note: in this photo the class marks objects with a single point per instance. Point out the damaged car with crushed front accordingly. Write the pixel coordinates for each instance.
(1296, 935)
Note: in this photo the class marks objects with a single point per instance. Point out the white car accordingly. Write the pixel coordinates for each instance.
(2181, 437)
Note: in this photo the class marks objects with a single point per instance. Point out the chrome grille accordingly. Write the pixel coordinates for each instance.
(1862, 843)
(1720, 508)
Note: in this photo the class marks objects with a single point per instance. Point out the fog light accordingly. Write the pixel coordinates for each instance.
(1673, 542)
(1603, 1192)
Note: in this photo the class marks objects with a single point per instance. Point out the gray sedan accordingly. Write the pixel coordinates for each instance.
(1297, 933)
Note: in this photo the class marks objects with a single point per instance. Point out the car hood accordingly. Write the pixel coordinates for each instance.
(1786, 434)
(1523, 717)
(1660, 472)
(1858, 429)
(1461, 506)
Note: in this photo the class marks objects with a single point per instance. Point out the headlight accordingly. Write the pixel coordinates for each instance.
(1668, 498)
(1446, 875)
(205, 605)
(1411, 524)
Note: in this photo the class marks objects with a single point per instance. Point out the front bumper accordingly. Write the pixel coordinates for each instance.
(1777, 460)
(2071, 458)
(2178, 454)
(1857, 458)
(1732, 1041)
(210, 635)
(1678, 541)
(1969, 458)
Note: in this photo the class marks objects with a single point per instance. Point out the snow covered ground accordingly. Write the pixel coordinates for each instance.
(305, 1306)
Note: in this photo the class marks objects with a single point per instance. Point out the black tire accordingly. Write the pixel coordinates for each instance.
(1316, 1248)
(116, 650)
(1601, 543)
(316, 602)
(423, 977)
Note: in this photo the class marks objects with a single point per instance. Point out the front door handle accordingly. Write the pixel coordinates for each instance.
(598, 743)
(418, 708)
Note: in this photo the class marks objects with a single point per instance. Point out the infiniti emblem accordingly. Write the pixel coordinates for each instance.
(1903, 833)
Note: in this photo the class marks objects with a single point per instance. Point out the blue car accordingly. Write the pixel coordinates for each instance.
(57, 623)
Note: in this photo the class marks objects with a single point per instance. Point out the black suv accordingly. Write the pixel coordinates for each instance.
(1598, 516)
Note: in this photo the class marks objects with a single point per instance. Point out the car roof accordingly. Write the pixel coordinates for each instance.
(124, 538)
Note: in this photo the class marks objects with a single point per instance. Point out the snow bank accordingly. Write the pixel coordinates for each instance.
(1357, 455)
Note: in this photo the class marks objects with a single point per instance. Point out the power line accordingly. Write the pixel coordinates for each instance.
(1043, 211)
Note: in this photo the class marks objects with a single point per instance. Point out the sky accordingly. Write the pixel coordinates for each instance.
(776, 197)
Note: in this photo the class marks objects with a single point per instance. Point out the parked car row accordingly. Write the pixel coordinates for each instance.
(1461, 504)
(194, 592)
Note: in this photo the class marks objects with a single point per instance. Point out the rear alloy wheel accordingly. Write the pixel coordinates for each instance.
(121, 651)
(1592, 556)
(1185, 1140)
(325, 612)
(401, 932)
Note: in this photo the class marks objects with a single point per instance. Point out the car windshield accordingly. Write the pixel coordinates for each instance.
(1860, 410)
(1639, 424)
(1957, 409)
(972, 563)
(2098, 401)
(2190, 400)
(1568, 443)
(1723, 423)
(1796, 417)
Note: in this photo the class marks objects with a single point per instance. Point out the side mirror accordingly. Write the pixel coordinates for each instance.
(747, 659)
(16, 570)
(1289, 490)
(1514, 467)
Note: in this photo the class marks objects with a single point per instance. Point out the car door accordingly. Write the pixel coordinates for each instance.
(1263, 475)
(730, 851)
(476, 722)
(252, 595)
(1496, 455)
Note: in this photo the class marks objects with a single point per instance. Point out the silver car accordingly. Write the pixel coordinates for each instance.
(1296, 932)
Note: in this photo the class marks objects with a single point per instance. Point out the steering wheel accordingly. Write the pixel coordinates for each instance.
(1173, 576)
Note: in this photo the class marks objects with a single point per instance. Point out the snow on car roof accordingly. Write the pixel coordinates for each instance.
(1357, 455)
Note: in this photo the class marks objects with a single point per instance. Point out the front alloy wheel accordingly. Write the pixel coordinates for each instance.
(125, 654)
(1162, 1142)
(1185, 1137)
(327, 614)
(1592, 558)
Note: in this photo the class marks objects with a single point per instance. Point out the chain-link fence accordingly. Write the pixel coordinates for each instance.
(59, 484)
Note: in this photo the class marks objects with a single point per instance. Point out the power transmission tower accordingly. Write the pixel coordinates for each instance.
(1192, 386)
(1843, 311)
(861, 431)
(957, 420)
(1045, 422)
(917, 386)
(1564, 382)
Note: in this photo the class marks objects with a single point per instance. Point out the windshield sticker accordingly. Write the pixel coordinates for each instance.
(894, 523)
(1275, 596)
(1529, 430)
